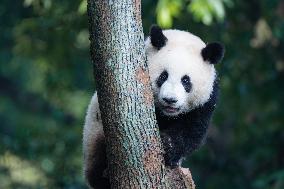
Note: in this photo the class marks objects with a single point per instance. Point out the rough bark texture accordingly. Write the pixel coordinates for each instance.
(135, 156)
(179, 178)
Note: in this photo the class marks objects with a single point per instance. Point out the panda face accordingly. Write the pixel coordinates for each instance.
(182, 79)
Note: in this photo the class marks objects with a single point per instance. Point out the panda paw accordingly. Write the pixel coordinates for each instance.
(172, 156)
(172, 163)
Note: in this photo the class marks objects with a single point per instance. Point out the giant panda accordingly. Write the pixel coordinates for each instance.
(185, 88)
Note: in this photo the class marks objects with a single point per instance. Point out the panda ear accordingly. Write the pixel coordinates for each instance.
(158, 39)
(213, 52)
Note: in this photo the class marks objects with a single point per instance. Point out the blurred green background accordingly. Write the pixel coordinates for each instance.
(46, 82)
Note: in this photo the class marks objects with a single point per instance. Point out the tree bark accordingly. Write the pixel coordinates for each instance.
(134, 151)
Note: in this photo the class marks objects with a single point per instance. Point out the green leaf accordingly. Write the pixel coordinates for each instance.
(82, 9)
(206, 10)
(28, 3)
(164, 18)
(167, 10)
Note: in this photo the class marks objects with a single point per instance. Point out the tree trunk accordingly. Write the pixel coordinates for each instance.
(134, 151)
(126, 102)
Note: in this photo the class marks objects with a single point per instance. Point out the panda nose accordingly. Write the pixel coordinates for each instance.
(170, 100)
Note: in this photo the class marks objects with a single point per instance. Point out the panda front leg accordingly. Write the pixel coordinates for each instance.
(181, 141)
(179, 144)
(198, 123)
(173, 147)
(94, 148)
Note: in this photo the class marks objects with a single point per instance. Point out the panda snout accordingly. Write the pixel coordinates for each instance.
(170, 100)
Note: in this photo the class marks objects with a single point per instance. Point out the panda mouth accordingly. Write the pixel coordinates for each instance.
(170, 110)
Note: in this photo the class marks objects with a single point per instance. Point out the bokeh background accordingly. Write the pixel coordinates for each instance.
(46, 82)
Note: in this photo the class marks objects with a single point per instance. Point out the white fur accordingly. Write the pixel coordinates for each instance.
(93, 130)
(181, 56)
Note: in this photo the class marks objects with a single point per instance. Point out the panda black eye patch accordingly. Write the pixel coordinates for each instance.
(185, 80)
(162, 78)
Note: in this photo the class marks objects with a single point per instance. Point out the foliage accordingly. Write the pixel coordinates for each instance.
(46, 82)
(202, 10)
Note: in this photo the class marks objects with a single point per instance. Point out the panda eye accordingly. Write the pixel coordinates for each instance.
(185, 80)
(162, 78)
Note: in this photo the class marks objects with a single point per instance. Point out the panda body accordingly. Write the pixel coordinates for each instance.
(185, 88)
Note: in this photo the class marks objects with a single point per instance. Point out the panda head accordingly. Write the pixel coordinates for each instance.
(181, 69)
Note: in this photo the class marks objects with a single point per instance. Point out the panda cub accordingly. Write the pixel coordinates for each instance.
(185, 87)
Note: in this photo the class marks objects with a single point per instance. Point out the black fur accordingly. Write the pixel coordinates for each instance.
(158, 39)
(162, 78)
(183, 134)
(213, 52)
(95, 172)
(185, 80)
